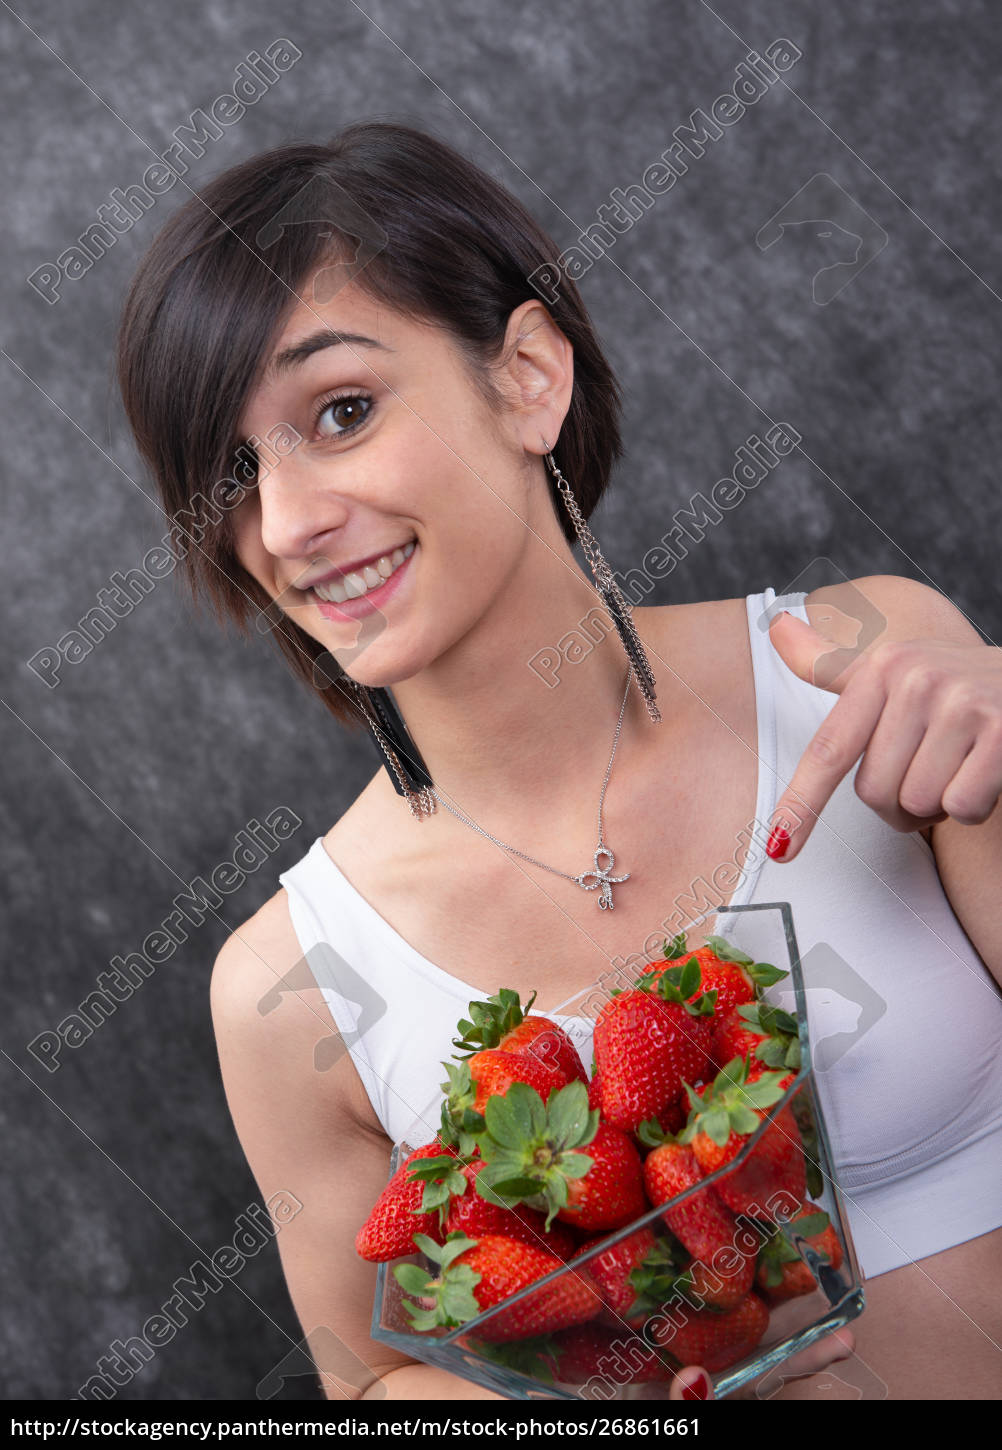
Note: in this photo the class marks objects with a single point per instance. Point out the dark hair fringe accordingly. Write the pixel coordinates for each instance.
(440, 240)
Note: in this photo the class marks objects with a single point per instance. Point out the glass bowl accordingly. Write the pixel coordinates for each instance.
(627, 1369)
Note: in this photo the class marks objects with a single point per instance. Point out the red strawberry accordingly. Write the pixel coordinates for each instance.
(725, 970)
(474, 1215)
(493, 1073)
(782, 1273)
(389, 1230)
(595, 1093)
(502, 1022)
(648, 1042)
(611, 1270)
(559, 1155)
(713, 1338)
(733, 1036)
(611, 1193)
(475, 1276)
(593, 1352)
(759, 1032)
(720, 1124)
(722, 1268)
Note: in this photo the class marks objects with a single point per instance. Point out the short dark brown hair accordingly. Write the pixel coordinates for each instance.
(448, 244)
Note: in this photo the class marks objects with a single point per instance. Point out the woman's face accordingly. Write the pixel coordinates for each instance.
(404, 502)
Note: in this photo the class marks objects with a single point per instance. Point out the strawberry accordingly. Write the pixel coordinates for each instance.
(611, 1193)
(503, 1023)
(782, 1273)
(648, 1041)
(594, 1352)
(713, 1338)
(396, 1215)
(494, 1071)
(720, 1124)
(533, 1155)
(475, 1275)
(595, 1093)
(730, 974)
(721, 1270)
(759, 1031)
(611, 1270)
(475, 1214)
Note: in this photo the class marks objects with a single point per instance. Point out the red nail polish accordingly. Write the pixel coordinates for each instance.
(779, 841)
(698, 1390)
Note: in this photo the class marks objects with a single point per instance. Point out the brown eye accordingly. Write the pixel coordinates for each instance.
(343, 414)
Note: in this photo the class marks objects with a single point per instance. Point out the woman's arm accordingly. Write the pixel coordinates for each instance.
(311, 1135)
(921, 701)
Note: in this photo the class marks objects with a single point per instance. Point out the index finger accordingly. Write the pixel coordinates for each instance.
(831, 753)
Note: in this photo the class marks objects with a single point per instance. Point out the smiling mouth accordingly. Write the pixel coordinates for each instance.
(364, 581)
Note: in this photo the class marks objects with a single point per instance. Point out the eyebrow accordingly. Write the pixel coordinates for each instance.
(294, 356)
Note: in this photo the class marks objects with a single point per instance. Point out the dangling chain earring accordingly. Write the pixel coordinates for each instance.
(408, 771)
(615, 600)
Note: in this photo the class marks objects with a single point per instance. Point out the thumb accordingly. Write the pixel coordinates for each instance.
(691, 1383)
(810, 655)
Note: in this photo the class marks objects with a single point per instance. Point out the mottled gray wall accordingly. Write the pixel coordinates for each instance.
(136, 772)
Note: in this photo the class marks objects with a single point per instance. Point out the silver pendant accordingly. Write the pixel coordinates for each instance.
(601, 878)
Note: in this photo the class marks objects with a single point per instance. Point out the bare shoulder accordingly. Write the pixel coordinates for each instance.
(272, 1024)
(886, 608)
(704, 648)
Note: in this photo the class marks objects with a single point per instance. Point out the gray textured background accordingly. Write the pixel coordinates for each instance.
(136, 772)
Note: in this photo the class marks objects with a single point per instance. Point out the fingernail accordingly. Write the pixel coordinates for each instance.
(699, 1389)
(779, 841)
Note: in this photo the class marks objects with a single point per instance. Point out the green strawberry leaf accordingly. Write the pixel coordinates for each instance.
(743, 1120)
(429, 1247)
(772, 1052)
(455, 1244)
(723, 949)
(502, 1120)
(811, 1224)
(427, 1169)
(690, 977)
(763, 1092)
(651, 1133)
(676, 947)
(716, 1124)
(533, 1357)
(575, 1165)
(413, 1279)
(570, 1121)
(764, 974)
(457, 1298)
(510, 1185)
(434, 1196)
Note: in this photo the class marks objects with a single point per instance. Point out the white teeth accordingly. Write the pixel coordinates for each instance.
(363, 581)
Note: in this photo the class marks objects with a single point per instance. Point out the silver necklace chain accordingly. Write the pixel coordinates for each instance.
(600, 879)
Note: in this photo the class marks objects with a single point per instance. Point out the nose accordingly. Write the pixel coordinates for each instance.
(300, 513)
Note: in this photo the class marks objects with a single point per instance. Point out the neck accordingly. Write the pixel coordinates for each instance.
(511, 730)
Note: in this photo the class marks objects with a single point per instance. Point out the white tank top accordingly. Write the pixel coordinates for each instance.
(905, 1021)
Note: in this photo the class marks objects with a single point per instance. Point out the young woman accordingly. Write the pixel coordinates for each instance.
(348, 390)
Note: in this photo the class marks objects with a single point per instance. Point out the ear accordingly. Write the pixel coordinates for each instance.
(537, 376)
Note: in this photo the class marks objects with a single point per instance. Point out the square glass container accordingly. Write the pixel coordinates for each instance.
(521, 1370)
